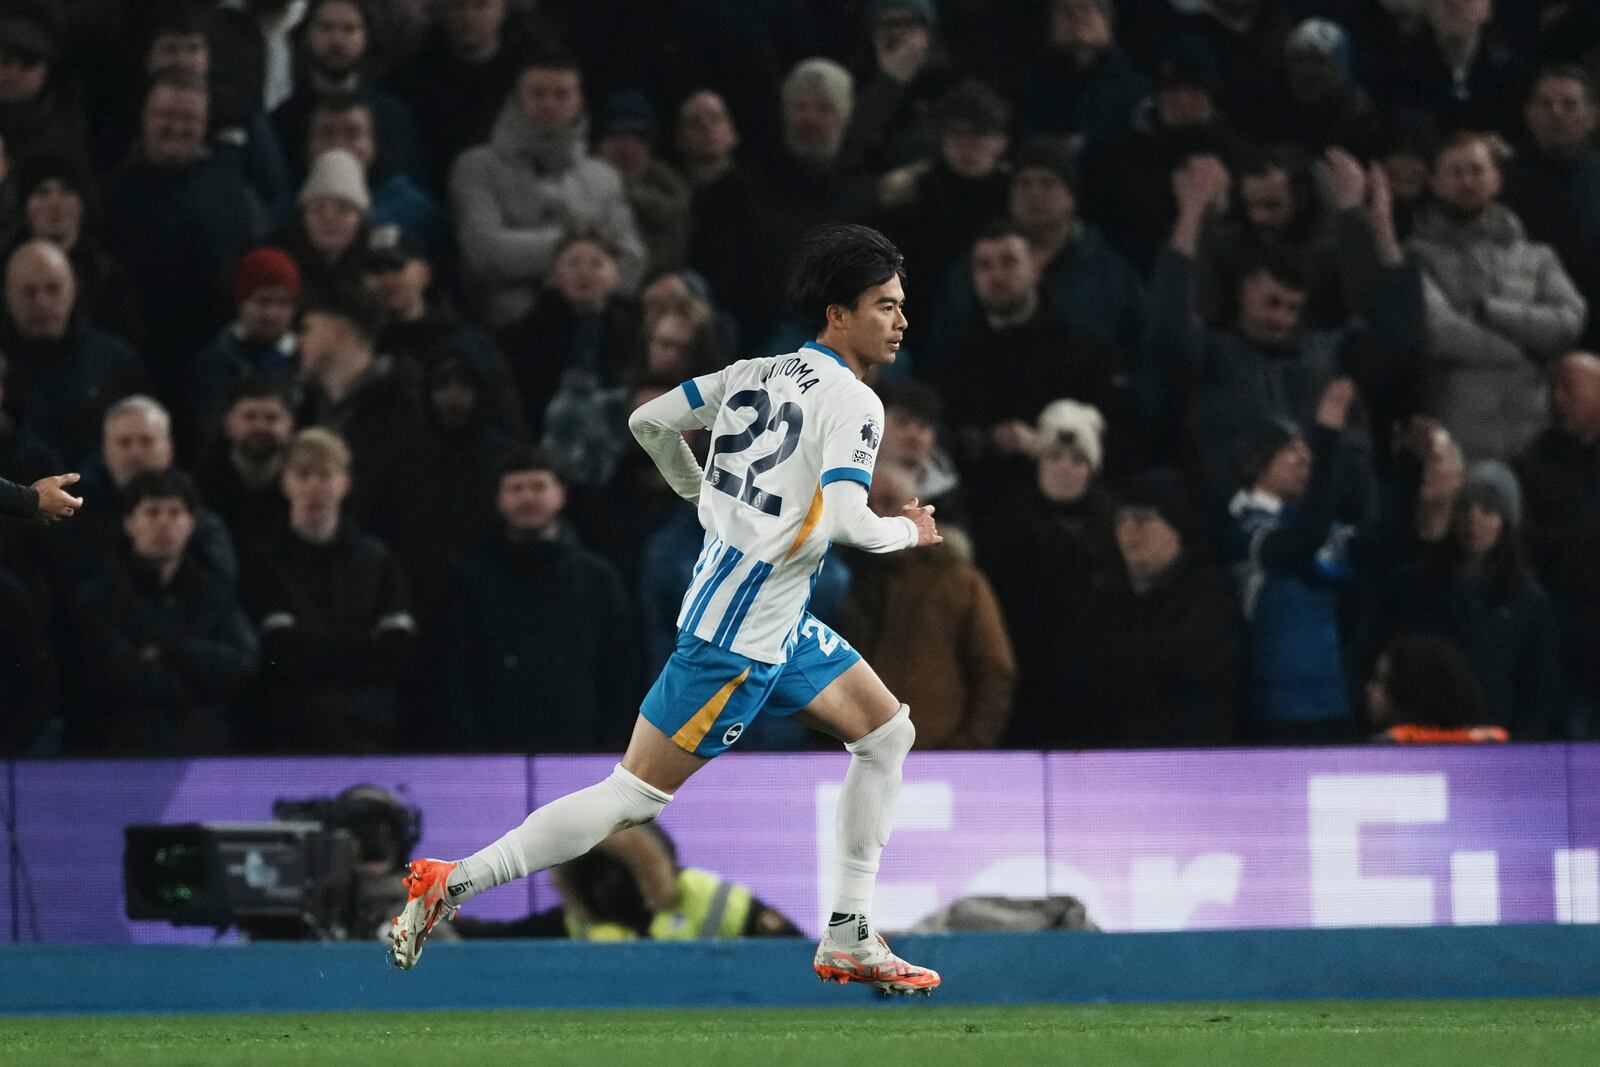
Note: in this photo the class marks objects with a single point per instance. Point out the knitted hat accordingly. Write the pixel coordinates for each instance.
(922, 9)
(27, 37)
(1493, 485)
(1189, 63)
(1105, 6)
(391, 246)
(1162, 491)
(1323, 36)
(41, 167)
(821, 75)
(337, 174)
(263, 268)
(1069, 424)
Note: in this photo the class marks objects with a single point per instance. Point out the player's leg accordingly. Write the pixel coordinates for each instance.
(673, 737)
(635, 792)
(841, 695)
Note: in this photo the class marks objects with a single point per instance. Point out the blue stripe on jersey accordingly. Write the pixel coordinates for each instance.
(817, 346)
(692, 391)
(730, 559)
(847, 474)
(706, 554)
(740, 607)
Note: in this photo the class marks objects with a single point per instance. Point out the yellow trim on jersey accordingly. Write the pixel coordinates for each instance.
(691, 733)
(813, 517)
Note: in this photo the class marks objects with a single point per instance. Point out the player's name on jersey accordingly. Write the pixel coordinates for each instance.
(796, 368)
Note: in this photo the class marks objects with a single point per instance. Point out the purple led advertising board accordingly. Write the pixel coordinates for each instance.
(1149, 840)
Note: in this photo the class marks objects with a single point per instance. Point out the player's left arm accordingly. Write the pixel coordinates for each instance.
(658, 426)
(849, 453)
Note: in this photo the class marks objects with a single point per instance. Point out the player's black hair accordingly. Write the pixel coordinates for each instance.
(160, 485)
(835, 264)
(352, 306)
(529, 458)
(1429, 683)
(256, 387)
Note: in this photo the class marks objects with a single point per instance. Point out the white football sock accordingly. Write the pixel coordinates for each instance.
(865, 817)
(566, 827)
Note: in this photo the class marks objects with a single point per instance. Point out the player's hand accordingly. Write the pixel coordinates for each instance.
(55, 503)
(922, 515)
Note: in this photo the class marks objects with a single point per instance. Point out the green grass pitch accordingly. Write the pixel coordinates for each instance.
(1487, 1033)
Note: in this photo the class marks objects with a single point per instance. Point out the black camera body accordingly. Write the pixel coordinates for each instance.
(294, 877)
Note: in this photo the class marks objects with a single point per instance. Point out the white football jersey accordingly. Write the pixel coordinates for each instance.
(781, 427)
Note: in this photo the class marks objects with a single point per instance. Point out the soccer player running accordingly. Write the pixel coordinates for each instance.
(794, 439)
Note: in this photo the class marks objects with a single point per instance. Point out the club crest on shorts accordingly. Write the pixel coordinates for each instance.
(733, 733)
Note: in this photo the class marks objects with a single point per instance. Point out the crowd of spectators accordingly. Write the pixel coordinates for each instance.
(1247, 363)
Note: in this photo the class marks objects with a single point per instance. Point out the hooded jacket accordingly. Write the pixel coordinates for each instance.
(513, 199)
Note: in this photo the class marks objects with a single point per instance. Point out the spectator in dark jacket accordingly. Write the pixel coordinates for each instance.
(1458, 72)
(1553, 181)
(334, 40)
(1049, 551)
(179, 220)
(241, 475)
(729, 232)
(933, 209)
(64, 373)
(581, 331)
(421, 328)
(30, 687)
(1217, 384)
(1560, 476)
(359, 395)
(333, 613)
(1085, 86)
(1475, 591)
(162, 645)
(40, 109)
(625, 137)
(137, 438)
(459, 78)
(259, 343)
(1290, 558)
(1164, 652)
(57, 198)
(1321, 105)
(892, 122)
(1016, 358)
(540, 653)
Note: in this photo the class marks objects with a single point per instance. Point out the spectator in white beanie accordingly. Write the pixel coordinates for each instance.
(328, 234)
(818, 96)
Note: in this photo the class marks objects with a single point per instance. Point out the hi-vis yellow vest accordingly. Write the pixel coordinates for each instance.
(707, 907)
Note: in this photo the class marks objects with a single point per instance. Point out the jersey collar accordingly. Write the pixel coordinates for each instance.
(816, 346)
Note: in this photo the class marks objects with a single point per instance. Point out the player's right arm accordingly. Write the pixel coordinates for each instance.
(659, 424)
(849, 453)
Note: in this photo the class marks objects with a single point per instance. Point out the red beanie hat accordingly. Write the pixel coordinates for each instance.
(265, 267)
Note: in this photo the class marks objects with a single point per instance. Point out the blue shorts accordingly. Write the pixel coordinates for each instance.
(706, 696)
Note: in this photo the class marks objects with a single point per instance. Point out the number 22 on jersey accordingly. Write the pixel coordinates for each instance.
(789, 416)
